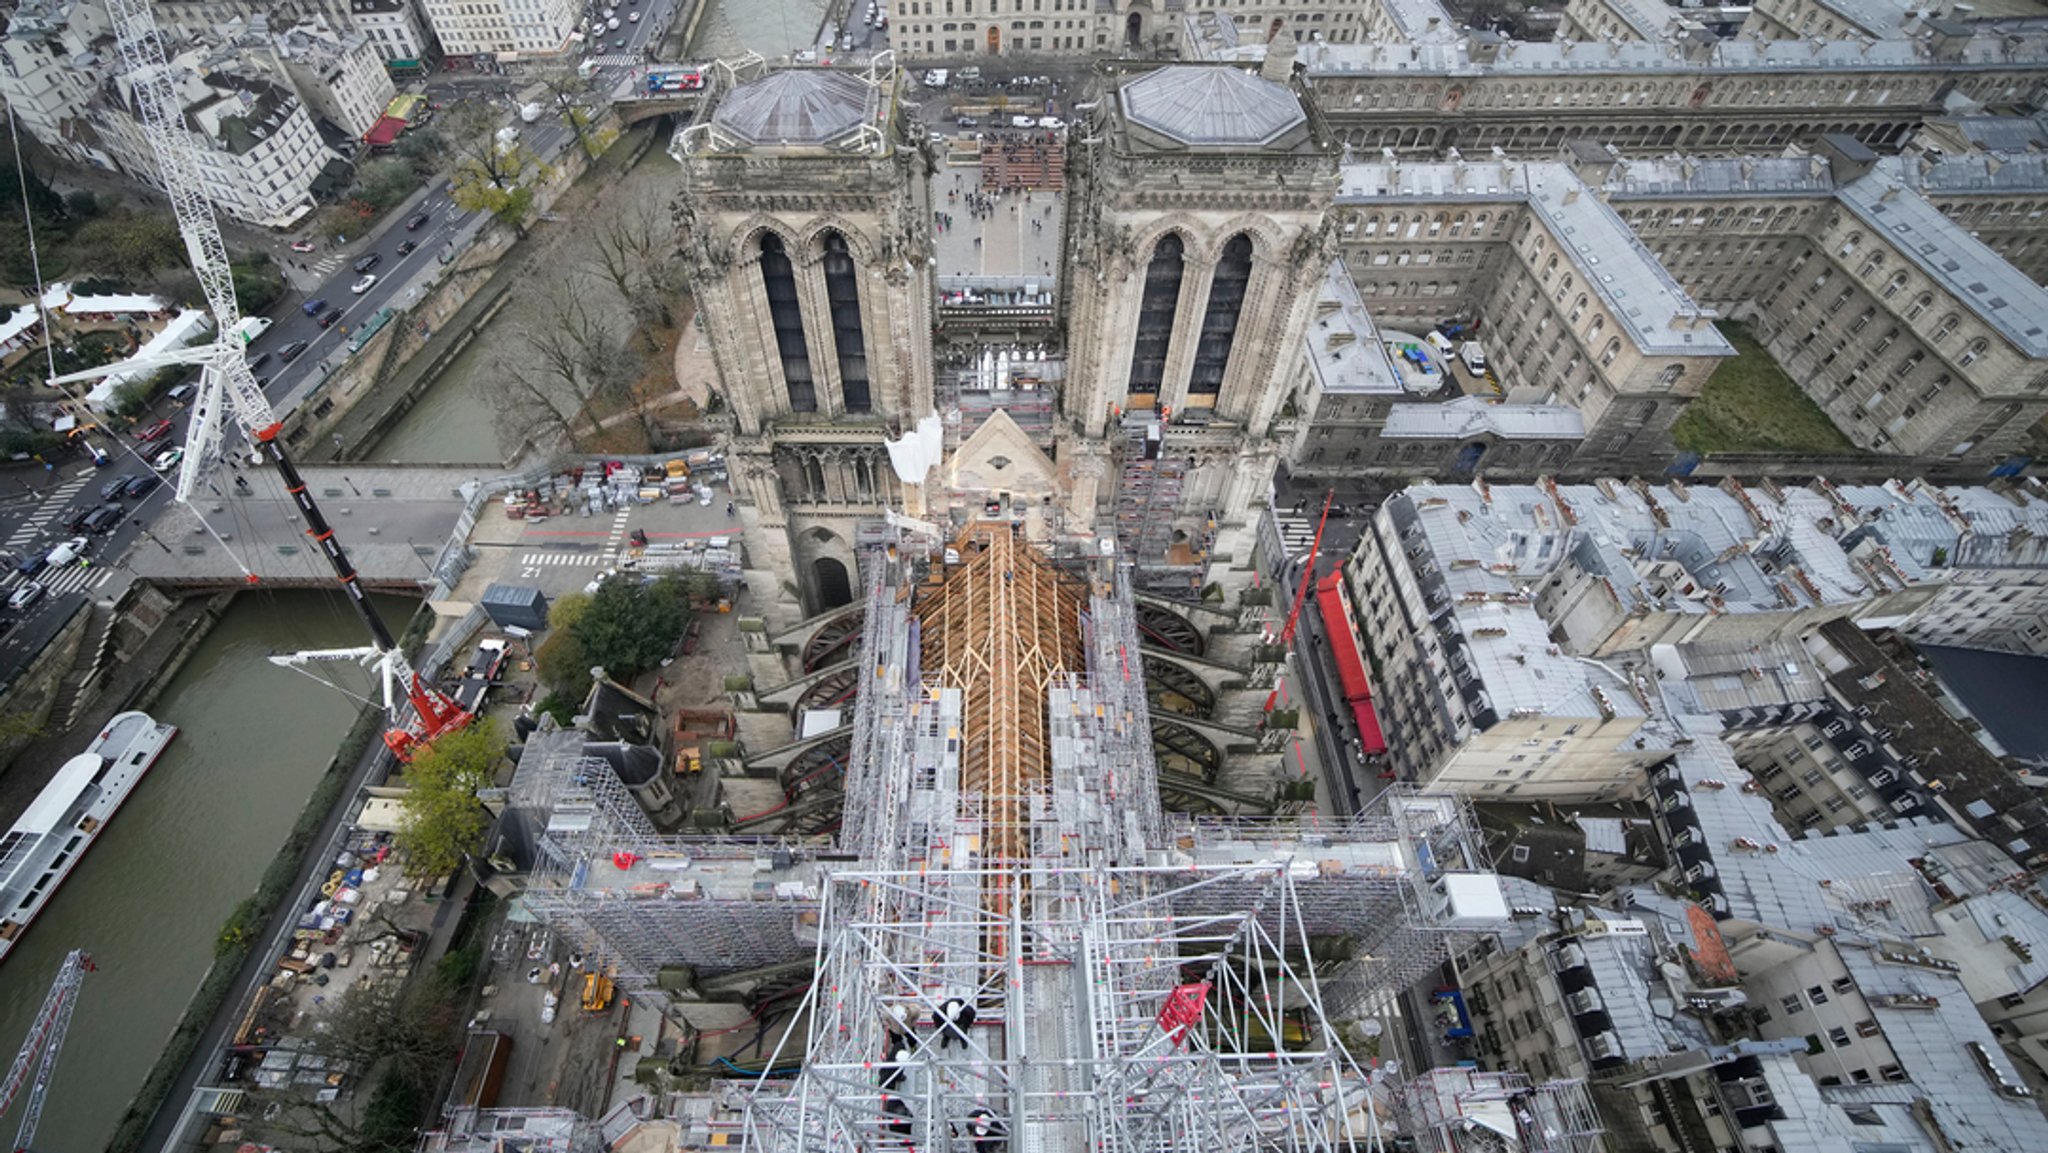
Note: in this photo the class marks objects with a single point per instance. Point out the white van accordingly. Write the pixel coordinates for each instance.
(1441, 343)
(68, 552)
(1474, 357)
(936, 78)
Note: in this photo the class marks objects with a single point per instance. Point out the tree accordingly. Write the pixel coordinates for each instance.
(441, 821)
(493, 173)
(634, 250)
(630, 627)
(258, 282)
(572, 351)
(563, 88)
(382, 183)
(408, 1026)
(424, 148)
(129, 244)
(564, 668)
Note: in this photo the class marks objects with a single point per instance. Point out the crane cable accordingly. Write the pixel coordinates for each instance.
(50, 335)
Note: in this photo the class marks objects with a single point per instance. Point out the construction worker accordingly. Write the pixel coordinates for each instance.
(899, 1116)
(895, 1060)
(952, 1020)
(986, 1131)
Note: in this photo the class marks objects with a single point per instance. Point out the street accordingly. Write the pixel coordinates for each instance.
(35, 516)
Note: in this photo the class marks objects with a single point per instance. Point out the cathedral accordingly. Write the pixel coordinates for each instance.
(1105, 360)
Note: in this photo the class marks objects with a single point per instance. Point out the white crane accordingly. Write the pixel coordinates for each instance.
(45, 1037)
(226, 386)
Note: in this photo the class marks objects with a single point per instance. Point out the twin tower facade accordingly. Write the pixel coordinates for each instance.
(1142, 371)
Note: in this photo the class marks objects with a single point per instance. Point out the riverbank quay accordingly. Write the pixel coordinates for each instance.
(180, 1092)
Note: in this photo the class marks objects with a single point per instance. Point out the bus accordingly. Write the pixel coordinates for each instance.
(675, 80)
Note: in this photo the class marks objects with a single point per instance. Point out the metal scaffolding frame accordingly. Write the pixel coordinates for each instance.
(1463, 1110)
(1139, 983)
(1108, 1019)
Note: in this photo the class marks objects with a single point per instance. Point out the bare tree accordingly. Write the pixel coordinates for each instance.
(634, 250)
(569, 354)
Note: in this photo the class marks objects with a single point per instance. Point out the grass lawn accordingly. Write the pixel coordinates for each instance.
(1750, 405)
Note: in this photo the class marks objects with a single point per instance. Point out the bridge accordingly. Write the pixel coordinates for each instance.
(633, 105)
(394, 522)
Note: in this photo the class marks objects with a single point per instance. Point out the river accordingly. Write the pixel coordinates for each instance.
(189, 844)
(451, 424)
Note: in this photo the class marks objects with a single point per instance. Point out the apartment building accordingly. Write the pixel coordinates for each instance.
(1578, 313)
(255, 141)
(52, 57)
(395, 27)
(340, 74)
(1361, 401)
(1810, 783)
(495, 28)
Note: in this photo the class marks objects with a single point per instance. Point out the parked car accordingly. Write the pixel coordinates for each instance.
(102, 520)
(183, 392)
(313, 306)
(405, 247)
(290, 352)
(363, 285)
(366, 263)
(26, 595)
(303, 246)
(141, 485)
(157, 431)
(169, 459)
(259, 362)
(328, 320)
(417, 221)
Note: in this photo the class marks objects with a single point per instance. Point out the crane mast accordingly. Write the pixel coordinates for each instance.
(227, 386)
(45, 1039)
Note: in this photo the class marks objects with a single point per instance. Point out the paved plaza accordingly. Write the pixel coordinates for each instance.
(1010, 247)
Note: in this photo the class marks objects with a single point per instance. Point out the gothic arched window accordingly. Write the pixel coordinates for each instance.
(842, 296)
(1219, 321)
(1156, 309)
(778, 279)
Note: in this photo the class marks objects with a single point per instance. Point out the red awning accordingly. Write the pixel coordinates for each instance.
(384, 132)
(1369, 735)
(1343, 642)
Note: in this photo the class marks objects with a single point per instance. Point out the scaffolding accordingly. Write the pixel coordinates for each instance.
(636, 902)
(1463, 1110)
(514, 1131)
(1107, 1020)
(1138, 983)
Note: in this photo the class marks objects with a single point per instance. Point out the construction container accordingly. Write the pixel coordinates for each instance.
(516, 606)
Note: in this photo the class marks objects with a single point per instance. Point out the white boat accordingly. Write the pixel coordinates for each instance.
(69, 815)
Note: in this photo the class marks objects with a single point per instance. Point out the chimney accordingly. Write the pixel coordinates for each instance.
(1279, 63)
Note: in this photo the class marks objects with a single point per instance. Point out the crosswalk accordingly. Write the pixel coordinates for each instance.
(326, 264)
(70, 579)
(1298, 533)
(58, 500)
(621, 60)
(558, 559)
